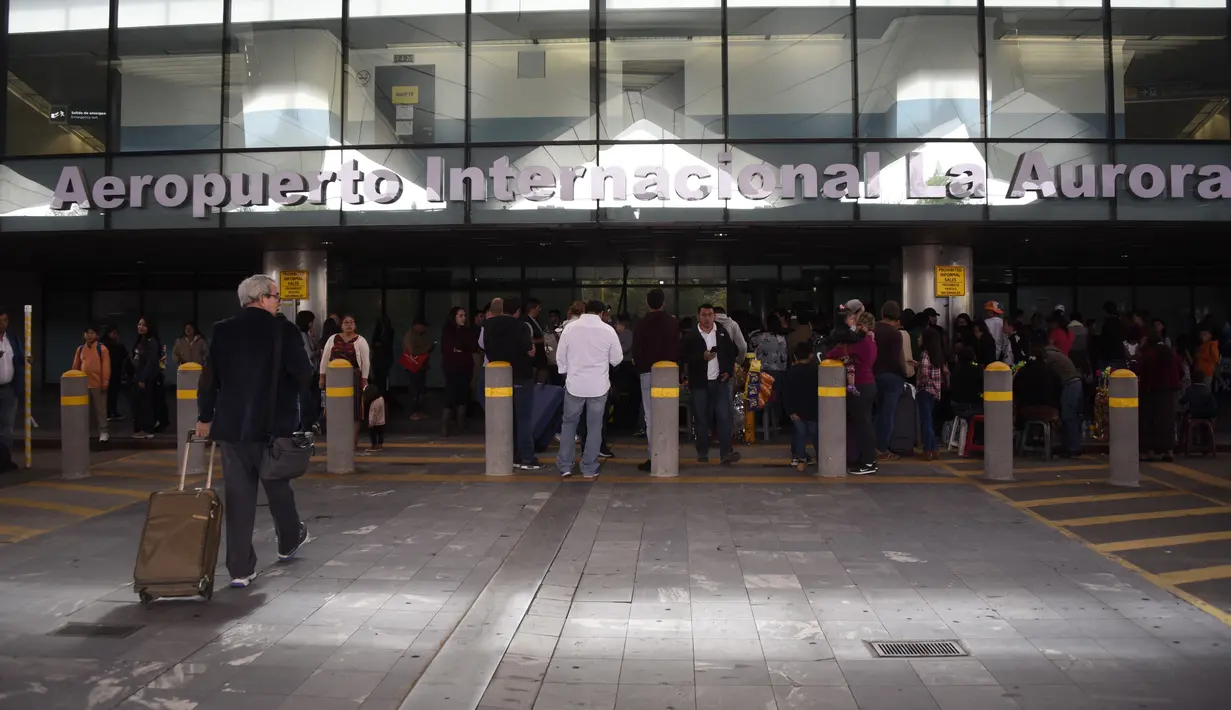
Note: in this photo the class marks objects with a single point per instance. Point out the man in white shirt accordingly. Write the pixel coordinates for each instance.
(12, 385)
(588, 349)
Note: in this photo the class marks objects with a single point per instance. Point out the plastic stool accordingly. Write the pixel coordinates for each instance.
(957, 435)
(1023, 441)
(1189, 434)
(970, 446)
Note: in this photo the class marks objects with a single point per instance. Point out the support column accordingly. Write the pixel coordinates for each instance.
(313, 262)
(919, 262)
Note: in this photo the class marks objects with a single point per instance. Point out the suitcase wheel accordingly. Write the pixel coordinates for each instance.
(145, 597)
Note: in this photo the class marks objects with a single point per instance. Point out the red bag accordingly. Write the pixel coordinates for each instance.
(413, 363)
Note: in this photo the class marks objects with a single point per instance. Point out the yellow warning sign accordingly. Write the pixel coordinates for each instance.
(950, 281)
(293, 285)
(405, 95)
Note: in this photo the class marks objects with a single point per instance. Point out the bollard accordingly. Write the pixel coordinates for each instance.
(498, 418)
(665, 420)
(74, 425)
(831, 418)
(997, 422)
(187, 377)
(340, 415)
(1123, 437)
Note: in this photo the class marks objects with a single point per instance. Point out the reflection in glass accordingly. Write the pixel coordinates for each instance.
(1168, 163)
(297, 208)
(1064, 161)
(57, 81)
(683, 183)
(536, 204)
(918, 70)
(284, 74)
(1170, 70)
(530, 74)
(660, 73)
(26, 190)
(928, 181)
(789, 69)
(406, 79)
(150, 214)
(1046, 72)
(169, 78)
(801, 194)
(412, 204)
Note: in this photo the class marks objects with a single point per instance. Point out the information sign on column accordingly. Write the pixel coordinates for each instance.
(293, 285)
(950, 281)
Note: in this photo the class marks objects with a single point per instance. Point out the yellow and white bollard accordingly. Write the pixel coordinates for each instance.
(74, 425)
(1123, 436)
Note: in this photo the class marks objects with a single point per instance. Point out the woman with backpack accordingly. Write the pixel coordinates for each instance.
(94, 360)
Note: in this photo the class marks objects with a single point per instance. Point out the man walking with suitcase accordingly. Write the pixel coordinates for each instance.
(234, 398)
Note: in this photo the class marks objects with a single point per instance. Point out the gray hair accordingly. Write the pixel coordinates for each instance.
(253, 288)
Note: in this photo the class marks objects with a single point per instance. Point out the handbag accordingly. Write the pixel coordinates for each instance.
(413, 363)
(286, 457)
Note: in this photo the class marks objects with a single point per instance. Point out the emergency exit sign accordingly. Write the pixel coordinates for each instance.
(950, 281)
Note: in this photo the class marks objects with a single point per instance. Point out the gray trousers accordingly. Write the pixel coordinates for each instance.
(241, 467)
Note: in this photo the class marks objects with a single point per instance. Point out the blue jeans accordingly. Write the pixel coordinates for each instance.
(1070, 416)
(523, 421)
(888, 392)
(802, 432)
(927, 405)
(594, 408)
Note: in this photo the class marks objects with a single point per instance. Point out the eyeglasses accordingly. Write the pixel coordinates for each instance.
(275, 296)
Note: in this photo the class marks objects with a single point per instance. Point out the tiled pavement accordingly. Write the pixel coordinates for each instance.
(534, 594)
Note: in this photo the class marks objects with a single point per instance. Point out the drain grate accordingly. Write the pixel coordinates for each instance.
(919, 649)
(110, 631)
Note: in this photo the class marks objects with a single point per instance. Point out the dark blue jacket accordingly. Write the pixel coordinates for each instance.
(233, 394)
(14, 345)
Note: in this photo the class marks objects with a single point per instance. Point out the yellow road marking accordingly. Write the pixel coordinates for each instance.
(78, 510)
(16, 533)
(1097, 498)
(1049, 482)
(1201, 574)
(1154, 579)
(1172, 541)
(1134, 517)
(607, 478)
(1193, 474)
(102, 490)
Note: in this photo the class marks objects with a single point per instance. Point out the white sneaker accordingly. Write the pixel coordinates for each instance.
(241, 582)
(104, 438)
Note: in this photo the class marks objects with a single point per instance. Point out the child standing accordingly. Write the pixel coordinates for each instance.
(94, 360)
(799, 385)
(375, 401)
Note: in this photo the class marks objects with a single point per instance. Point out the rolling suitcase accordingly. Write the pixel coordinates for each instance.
(179, 543)
(905, 424)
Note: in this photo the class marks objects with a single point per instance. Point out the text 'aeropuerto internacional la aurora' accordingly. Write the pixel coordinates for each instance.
(1032, 176)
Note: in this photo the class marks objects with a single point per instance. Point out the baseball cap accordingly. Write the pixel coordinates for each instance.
(854, 304)
(929, 311)
(994, 307)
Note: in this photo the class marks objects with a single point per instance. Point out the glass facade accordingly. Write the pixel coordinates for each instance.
(746, 89)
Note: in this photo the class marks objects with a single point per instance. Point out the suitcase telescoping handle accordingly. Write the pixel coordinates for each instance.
(192, 438)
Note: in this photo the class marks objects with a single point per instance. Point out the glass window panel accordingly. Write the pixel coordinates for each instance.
(557, 299)
(600, 274)
(549, 273)
(68, 312)
(57, 83)
(170, 310)
(663, 197)
(412, 204)
(152, 215)
(703, 274)
(635, 301)
(1046, 70)
(914, 182)
(26, 190)
(168, 75)
(284, 74)
(506, 203)
(660, 71)
(653, 275)
(530, 72)
(1044, 300)
(803, 199)
(1171, 162)
(308, 163)
(216, 305)
(1173, 304)
(118, 308)
(692, 297)
(1063, 161)
(362, 303)
(918, 69)
(789, 68)
(1170, 71)
(498, 273)
(402, 307)
(406, 81)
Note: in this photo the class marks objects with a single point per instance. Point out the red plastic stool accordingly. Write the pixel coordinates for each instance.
(971, 446)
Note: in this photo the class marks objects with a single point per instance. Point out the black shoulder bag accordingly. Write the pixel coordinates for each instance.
(286, 457)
